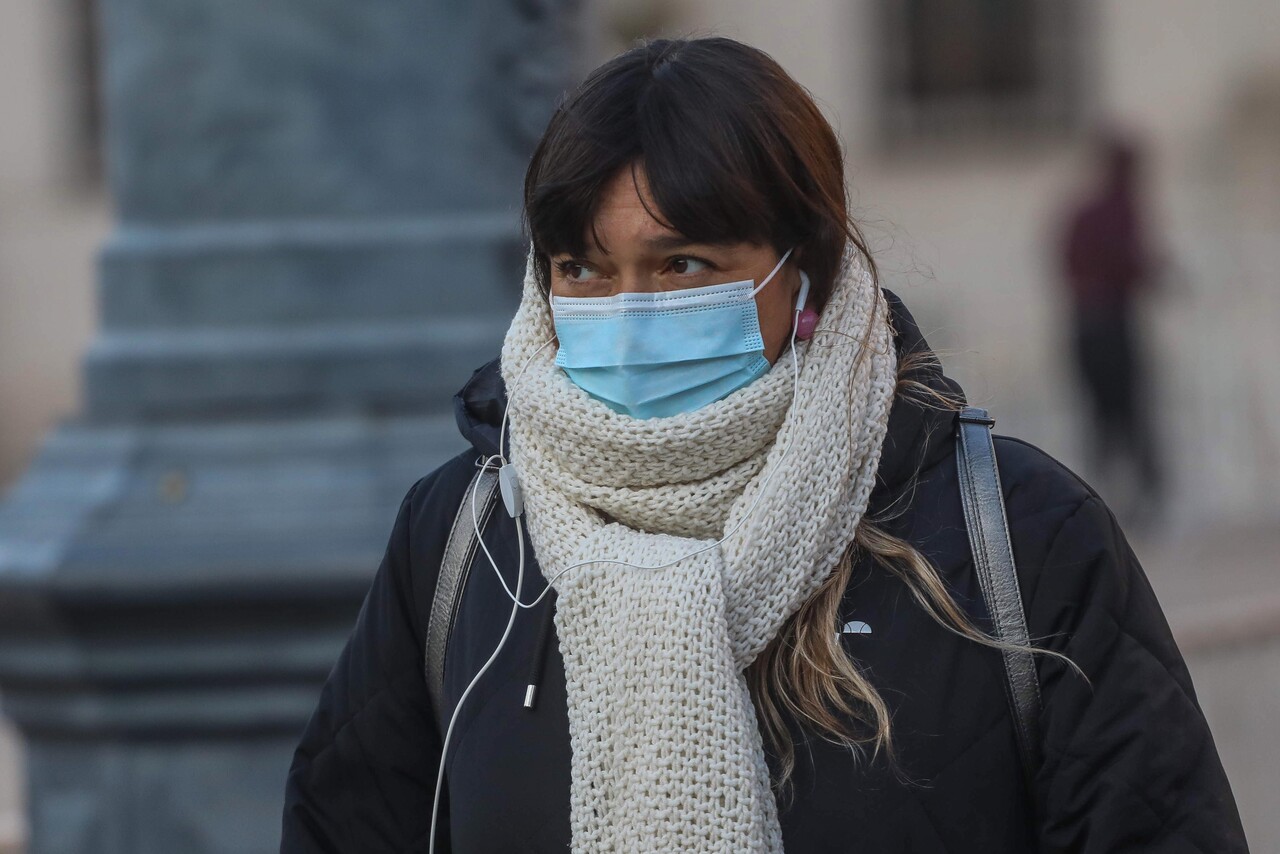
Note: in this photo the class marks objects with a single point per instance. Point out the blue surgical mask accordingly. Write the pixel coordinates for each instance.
(654, 355)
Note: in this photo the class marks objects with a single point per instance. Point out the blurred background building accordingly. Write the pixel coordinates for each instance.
(970, 131)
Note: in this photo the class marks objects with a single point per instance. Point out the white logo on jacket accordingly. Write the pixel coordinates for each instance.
(855, 627)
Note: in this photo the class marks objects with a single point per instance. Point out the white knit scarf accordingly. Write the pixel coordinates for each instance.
(666, 752)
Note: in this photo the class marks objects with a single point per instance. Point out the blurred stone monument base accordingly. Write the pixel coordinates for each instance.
(194, 790)
(193, 787)
(207, 577)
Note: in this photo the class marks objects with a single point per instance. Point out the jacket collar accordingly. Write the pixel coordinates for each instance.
(918, 436)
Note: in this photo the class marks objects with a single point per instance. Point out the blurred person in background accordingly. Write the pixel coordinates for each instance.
(731, 505)
(1106, 265)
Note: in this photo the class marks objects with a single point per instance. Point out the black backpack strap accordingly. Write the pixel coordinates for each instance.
(455, 565)
(988, 528)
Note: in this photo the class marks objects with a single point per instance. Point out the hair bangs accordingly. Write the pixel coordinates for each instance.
(699, 169)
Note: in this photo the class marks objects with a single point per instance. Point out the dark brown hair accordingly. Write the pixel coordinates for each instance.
(733, 149)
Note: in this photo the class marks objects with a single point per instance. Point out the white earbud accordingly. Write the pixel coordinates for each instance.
(803, 297)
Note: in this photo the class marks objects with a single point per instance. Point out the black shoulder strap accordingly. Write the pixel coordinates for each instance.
(459, 552)
(988, 528)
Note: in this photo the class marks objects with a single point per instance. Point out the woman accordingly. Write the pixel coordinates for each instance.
(730, 444)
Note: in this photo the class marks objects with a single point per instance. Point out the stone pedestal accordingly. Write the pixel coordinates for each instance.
(318, 240)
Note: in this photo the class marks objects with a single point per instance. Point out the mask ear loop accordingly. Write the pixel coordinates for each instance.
(775, 269)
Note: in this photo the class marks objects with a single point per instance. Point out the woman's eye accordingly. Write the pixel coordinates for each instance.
(684, 266)
(574, 271)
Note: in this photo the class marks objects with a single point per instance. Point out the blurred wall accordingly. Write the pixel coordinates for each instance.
(52, 217)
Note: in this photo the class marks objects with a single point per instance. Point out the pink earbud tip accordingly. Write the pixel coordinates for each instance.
(807, 322)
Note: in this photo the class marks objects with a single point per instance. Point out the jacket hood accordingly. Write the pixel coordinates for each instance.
(918, 436)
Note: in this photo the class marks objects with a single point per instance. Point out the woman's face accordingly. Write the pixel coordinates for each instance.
(645, 256)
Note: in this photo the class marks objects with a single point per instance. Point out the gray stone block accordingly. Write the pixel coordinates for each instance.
(242, 110)
(202, 796)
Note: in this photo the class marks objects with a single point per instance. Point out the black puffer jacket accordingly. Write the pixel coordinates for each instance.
(1129, 763)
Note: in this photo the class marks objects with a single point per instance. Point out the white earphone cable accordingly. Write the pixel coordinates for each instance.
(444, 747)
